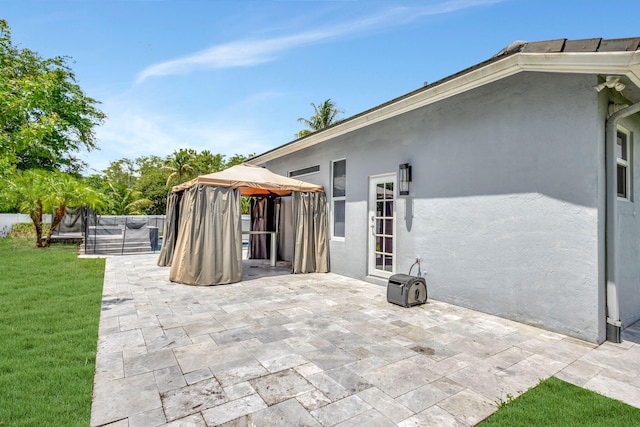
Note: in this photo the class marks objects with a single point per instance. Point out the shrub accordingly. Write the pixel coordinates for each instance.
(26, 230)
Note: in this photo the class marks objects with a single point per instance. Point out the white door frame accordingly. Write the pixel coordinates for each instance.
(377, 225)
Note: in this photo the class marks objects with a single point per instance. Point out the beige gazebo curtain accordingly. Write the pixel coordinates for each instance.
(208, 248)
(258, 242)
(170, 229)
(202, 239)
(310, 225)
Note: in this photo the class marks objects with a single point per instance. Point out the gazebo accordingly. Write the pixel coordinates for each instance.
(202, 239)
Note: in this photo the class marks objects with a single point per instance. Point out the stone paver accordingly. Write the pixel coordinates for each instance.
(124, 397)
(433, 416)
(320, 350)
(190, 399)
(281, 386)
(234, 409)
(289, 412)
(340, 411)
(468, 406)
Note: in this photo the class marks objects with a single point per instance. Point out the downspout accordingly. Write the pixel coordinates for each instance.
(614, 325)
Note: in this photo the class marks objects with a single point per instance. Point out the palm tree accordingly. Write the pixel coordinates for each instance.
(179, 165)
(25, 191)
(34, 192)
(325, 115)
(126, 201)
(65, 190)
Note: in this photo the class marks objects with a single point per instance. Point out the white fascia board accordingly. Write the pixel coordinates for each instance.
(610, 63)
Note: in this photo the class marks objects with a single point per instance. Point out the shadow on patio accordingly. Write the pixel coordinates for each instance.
(632, 333)
(256, 268)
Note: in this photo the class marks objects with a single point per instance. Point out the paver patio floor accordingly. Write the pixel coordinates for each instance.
(319, 350)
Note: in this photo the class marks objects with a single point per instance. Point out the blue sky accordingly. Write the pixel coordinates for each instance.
(234, 76)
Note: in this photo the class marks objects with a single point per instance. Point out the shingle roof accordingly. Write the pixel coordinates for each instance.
(582, 45)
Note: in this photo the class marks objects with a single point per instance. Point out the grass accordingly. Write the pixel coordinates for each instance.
(557, 403)
(49, 314)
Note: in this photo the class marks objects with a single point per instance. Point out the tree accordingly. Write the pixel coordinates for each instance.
(25, 193)
(245, 205)
(325, 115)
(45, 117)
(64, 190)
(151, 183)
(126, 201)
(236, 159)
(96, 181)
(179, 166)
(121, 172)
(206, 162)
(35, 192)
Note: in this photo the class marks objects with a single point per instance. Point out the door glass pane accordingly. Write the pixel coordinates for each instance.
(379, 241)
(379, 224)
(387, 191)
(388, 263)
(388, 245)
(388, 208)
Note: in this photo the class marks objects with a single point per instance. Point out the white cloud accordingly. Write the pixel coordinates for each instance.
(241, 53)
(134, 132)
(249, 52)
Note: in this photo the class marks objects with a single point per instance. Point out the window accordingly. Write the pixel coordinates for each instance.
(338, 195)
(304, 171)
(623, 155)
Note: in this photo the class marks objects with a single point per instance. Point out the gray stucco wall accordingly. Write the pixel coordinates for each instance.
(628, 248)
(504, 202)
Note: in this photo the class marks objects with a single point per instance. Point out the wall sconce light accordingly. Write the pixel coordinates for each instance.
(404, 175)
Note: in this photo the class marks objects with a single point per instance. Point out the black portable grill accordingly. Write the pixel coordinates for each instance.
(406, 290)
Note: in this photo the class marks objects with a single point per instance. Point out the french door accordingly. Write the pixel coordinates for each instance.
(382, 225)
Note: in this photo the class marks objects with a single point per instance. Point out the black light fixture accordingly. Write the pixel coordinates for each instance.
(404, 176)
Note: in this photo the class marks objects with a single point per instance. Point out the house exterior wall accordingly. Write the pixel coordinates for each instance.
(504, 204)
(628, 246)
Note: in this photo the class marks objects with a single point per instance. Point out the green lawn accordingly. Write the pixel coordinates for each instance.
(49, 314)
(557, 403)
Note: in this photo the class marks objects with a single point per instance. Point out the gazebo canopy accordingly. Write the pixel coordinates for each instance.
(202, 240)
(252, 181)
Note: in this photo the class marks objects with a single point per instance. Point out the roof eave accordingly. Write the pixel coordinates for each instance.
(609, 63)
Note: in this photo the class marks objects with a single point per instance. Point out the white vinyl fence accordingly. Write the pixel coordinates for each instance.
(8, 219)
